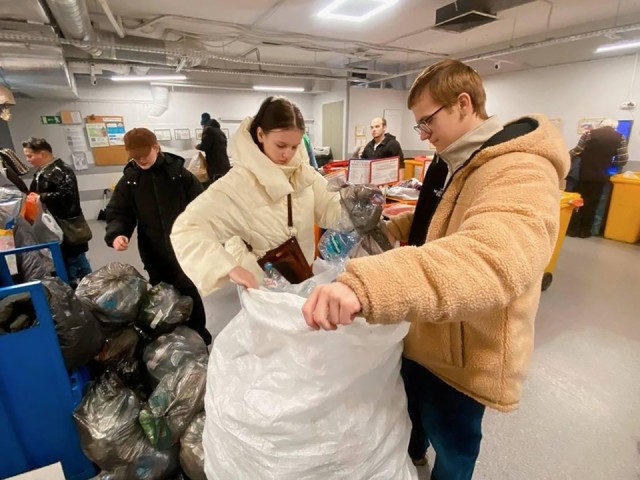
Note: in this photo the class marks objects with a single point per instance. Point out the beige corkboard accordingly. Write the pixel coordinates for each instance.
(113, 154)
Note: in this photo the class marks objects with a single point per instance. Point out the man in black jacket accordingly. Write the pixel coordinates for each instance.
(153, 191)
(57, 188)
(383, 145)
(214, 146)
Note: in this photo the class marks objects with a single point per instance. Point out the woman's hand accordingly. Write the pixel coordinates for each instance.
(120, 243)
(244, 277)
(331, 305)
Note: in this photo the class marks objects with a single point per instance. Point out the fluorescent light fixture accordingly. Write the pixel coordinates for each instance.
(267, 88)
(147, 78)
(618, 46)
(355, 10)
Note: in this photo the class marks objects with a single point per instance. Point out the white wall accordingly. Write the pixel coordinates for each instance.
(569, 92)
(337, 93)
(132, 102)
(368, 103)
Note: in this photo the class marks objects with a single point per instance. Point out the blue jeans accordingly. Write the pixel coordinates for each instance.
(444, 418)
(77, 267)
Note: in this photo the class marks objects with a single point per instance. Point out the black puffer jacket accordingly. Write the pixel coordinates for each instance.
(389, 147)
(57, 186)
(152, 199)
(214, 145)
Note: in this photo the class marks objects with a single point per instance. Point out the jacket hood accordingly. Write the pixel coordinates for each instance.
(534, 135)
(246, 154)
(168, 161)
(212, 123)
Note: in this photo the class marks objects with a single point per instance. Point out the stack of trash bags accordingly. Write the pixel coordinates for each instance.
(288, 402)
(150, 373)
(151, 379)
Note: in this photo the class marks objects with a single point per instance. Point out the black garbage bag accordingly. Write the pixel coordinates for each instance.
(107, 422)
(121, 355)
(163, 308)
(168, 352)
(173, 404)
(34, 265)
(16, 313)
(151, 465)
(79, 332)
(191, 450)
(113, 293)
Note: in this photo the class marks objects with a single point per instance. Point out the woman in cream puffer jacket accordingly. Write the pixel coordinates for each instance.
(249, 204)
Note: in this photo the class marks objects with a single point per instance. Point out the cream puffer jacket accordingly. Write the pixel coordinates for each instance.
(249, 204)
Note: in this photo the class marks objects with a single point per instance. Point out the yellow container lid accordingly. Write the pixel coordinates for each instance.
(571, 198)
(622, 178)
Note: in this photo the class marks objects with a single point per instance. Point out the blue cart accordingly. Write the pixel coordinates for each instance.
(37, 394)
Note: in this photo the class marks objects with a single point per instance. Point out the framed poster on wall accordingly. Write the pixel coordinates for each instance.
(588, 123)
(163, 134)
(198, 134)
(182, 134)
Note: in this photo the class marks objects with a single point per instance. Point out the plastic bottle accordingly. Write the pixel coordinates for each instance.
(274, 280)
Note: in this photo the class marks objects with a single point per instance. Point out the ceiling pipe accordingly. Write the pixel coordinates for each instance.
(72, 17)
(114, 23)
(169, 52)
(521, 48)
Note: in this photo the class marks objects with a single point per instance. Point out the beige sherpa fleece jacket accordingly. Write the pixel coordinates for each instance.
(471, 292)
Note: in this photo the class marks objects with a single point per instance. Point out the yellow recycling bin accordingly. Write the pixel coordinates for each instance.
(623, 221)
(568, 203)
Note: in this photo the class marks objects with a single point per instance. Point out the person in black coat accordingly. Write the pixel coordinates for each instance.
(155, 188)
(57, 187)
(383, 145)
(214, 146)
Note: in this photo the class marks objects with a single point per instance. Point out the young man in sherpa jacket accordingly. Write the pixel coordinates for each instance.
(469, 280)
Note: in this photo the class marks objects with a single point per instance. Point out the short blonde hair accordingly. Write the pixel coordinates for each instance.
(445, 81)
(608, 122)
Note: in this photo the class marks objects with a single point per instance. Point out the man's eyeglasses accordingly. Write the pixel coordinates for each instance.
(423, 125)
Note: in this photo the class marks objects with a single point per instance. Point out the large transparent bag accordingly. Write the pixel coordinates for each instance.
(79, 332)
(173, 404)
(191, 451)
(169, 352)
(163, 308)
(113, 293)
(107, 422)
(284, 401)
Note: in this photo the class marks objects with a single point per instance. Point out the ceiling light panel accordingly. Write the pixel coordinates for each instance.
(355, 10)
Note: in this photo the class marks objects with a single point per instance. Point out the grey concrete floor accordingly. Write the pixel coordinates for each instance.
(580, 412)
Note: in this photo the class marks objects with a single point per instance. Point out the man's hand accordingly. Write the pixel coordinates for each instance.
(121, 243)
(243, 277)
(331, 305)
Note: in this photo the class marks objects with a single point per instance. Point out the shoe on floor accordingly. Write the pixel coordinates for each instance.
(421, 462)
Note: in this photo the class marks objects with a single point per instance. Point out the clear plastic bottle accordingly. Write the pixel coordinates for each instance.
(274, 280)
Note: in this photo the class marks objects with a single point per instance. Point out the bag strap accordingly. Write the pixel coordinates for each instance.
(289, 220)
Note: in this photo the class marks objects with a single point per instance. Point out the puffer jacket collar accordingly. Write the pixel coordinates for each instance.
(247, 155)
(169, 162)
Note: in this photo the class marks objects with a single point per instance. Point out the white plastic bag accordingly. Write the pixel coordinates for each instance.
(284, 401)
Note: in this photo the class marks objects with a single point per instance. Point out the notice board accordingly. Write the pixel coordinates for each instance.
(106, 134)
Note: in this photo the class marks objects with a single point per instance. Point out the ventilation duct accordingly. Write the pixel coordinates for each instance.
(463, 15)
(36, 71)
(160, 97)
(73, 19)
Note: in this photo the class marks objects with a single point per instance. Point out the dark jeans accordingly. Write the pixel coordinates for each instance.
(446, 419)
(582, 220)
(77, 267)
(198, 319)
